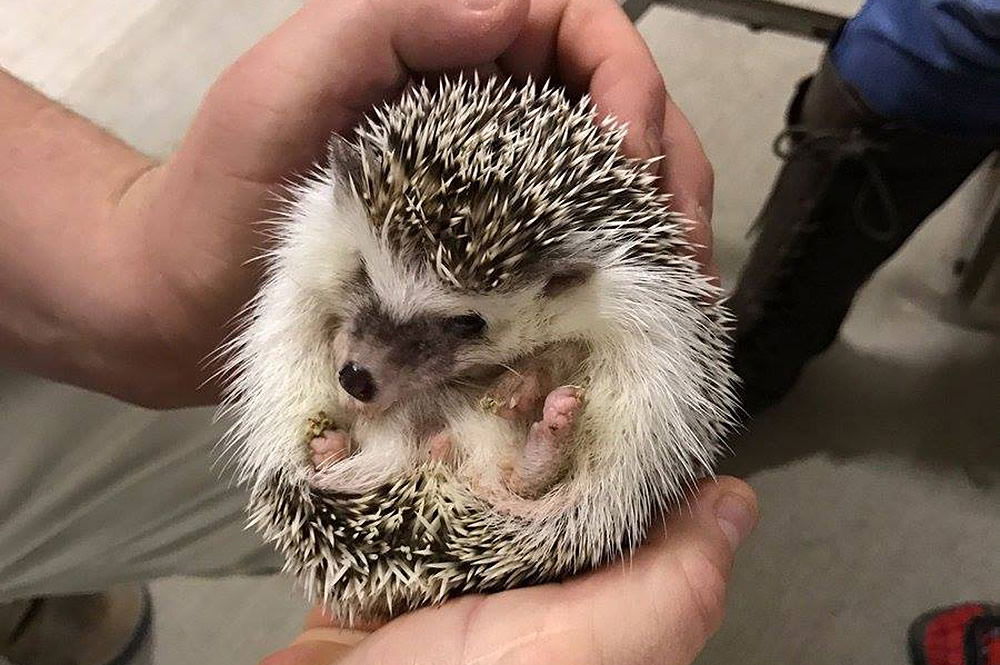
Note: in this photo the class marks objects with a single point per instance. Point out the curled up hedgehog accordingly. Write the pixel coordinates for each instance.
(483, 356)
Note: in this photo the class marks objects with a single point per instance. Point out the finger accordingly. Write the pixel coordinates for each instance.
(592, 46)
(319, 618)
(320, 71)
(718, 520)
(439, 635)
(322, 642)
(533, 52)
(599, 50)
(312, 652)
(688, 177)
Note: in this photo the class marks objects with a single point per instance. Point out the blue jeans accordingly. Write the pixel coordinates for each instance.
(933, 64)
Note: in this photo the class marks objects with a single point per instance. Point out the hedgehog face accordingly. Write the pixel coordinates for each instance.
(393, 342)
(381, 358)
(398, 326)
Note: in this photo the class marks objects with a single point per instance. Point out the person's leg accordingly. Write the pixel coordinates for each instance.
(901, 111)
(98, 497)
(931, 64)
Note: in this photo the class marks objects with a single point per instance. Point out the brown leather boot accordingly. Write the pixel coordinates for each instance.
(854, 187)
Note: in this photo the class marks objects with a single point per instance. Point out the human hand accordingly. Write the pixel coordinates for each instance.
(658, 608)
(192, 218)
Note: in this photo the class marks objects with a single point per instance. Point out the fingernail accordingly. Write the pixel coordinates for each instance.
(735, 518)
(480, 5)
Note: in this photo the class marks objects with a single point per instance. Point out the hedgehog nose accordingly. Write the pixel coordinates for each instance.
(358, 382)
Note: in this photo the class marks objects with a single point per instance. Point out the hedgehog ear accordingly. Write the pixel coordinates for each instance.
(566, 278)
(345, 161)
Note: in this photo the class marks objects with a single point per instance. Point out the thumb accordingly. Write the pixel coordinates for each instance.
(671, 598)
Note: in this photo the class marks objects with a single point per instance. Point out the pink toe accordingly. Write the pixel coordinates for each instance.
(544, 456)
(330, 442)
(561, 408)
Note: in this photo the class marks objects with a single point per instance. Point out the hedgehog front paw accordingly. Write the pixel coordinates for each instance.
(327, 444)
(329, 448)
(545, 452)
(517, 395)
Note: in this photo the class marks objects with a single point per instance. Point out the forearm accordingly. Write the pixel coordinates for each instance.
(63, 264)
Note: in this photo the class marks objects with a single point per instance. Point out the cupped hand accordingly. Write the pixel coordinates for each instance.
(192, 218)
(657, 608)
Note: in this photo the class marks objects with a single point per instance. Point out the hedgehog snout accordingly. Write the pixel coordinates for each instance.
(358, 382)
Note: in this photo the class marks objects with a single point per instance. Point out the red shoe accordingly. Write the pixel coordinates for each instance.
(966, 634)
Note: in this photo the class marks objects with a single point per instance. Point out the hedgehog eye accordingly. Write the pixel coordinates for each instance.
(566, 280)
(467, 325)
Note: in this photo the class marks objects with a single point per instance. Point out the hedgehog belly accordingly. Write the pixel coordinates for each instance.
(415, 542)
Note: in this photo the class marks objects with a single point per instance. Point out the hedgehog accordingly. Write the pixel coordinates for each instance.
(483, 355)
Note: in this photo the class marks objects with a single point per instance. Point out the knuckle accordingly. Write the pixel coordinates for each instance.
(708, 176)
(654, 91)
(561, 639)
(706, 586)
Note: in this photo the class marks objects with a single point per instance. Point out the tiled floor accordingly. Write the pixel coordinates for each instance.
(877, 478)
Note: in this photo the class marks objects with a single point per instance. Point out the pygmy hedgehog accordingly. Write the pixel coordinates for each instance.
(483, 355)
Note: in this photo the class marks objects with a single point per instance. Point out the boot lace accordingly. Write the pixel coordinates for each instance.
(849, 146)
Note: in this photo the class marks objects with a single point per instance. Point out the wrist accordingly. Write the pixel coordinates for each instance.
(61, 259)
(186, 271)
(81, 307)
(154, 335)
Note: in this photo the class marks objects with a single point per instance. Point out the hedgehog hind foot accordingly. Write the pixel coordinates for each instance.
(545, 455)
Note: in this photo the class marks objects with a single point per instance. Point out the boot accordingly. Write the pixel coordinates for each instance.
(853, 188)
(110, 628)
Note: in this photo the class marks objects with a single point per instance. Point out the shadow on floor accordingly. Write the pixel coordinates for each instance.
(942, 415)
